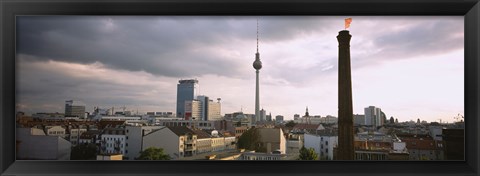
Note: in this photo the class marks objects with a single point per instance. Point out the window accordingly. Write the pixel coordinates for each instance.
(326, 142)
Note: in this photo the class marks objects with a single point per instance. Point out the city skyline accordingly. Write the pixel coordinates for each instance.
(410, 67)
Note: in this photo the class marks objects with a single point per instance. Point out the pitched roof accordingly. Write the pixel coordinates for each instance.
(201, 134)
(306, 126)
(180, 130)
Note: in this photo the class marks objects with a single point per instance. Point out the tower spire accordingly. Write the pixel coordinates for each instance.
(257, 35)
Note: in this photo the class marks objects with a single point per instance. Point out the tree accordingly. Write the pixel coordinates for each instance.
(290, 124)
(307, 154)
(153, 153)
(250, 140)
(84, 152)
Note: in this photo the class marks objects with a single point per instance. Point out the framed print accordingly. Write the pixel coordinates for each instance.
(240, 87)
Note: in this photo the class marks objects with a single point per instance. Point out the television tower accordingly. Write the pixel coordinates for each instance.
(257, 64)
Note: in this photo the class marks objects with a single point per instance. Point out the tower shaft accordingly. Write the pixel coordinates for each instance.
(257, 97)
(345, 150)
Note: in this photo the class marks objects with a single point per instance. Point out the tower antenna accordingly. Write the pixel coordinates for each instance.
(257, 35)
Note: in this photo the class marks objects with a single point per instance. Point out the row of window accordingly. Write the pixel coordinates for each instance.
(56, 132)
(111, 145)
(108, 138)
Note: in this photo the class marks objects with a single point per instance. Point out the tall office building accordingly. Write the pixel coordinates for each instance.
(345, 150)
(263, 115)
(74, 108)
(210, 110)
(193, 110)
(214, 110)
(373, 116)
(186, 91)
(257, 65)
(202, 108)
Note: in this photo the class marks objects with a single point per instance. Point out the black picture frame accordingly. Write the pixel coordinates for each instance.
(470, 9)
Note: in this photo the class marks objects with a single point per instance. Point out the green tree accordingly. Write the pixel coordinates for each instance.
(153, 153)
(307, 154)
(84, 152)
(250, 140)
(290, 124)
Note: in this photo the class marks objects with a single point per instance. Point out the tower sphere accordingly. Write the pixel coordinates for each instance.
(257, 64)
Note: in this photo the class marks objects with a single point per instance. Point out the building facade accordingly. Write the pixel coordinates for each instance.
(186, 90)
(113, 141)
(177, 142)
(272, 139)
(134, 138)
(33, 144)
(323, 144)
(74, 108)
(374, 116)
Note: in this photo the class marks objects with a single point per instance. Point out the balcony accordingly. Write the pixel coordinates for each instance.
(188, 148)
(189, 141)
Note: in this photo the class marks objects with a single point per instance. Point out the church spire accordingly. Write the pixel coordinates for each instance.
(306, 112)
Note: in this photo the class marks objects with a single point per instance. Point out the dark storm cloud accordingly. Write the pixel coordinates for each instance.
(169, 46)
(160, 46)
(285, 28)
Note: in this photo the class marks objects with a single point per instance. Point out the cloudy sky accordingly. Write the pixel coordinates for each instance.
(410, 67)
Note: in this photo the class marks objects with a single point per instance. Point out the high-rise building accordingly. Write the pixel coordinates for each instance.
(269, 117)
(74, 108)
(193, 110)
(263, 115)
(359, 119)
(186, 90)
(214, 110)
(345, 150)
(257, 65)
(373, 116)
(202, 108)
(279, 118)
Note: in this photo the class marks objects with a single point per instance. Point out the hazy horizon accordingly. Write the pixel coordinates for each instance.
(410, 67)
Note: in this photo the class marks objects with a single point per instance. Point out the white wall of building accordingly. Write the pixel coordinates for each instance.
(323, 145)
(133, 139)
(166, 139)
(113, 140)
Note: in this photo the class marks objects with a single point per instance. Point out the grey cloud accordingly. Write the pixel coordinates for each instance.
(158, 45)
(424, 39)
(37, 87)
